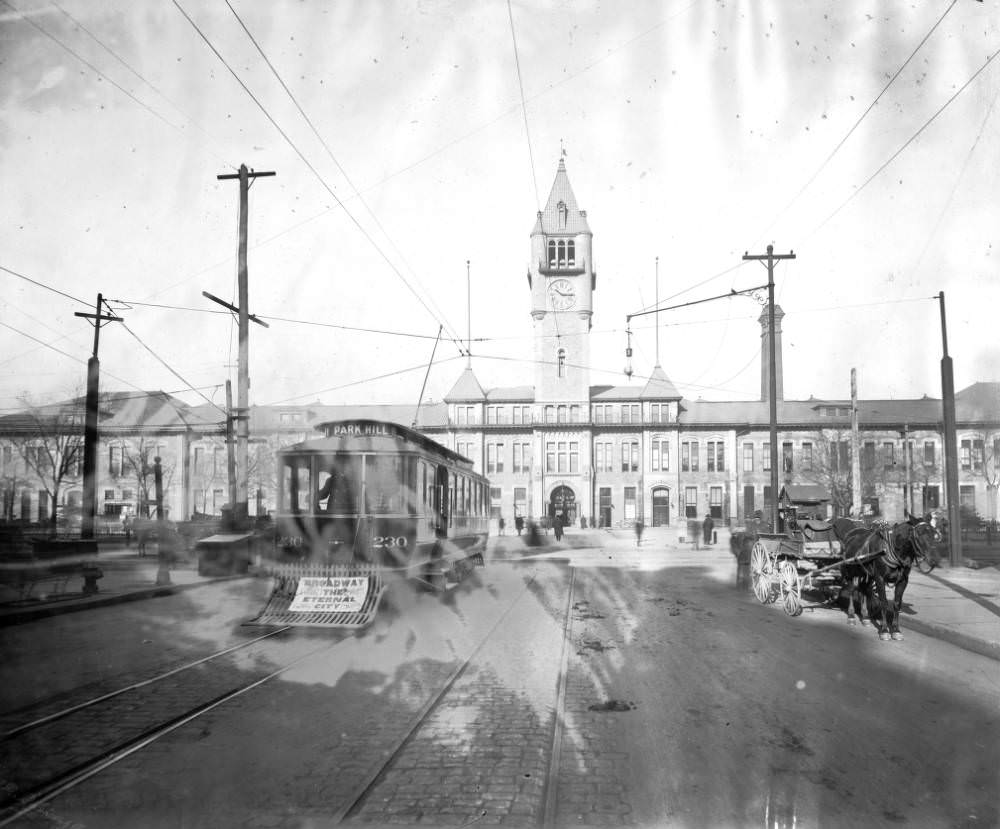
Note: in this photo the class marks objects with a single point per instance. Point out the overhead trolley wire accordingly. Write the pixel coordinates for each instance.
(857, 123)
(907, 143)
(333, 158)
(313, 170)
(524, 107)
(169, 368)
(131, 69)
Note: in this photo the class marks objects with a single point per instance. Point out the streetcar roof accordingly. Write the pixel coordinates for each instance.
(361, 434)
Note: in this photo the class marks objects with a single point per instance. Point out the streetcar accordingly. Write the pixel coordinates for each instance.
(368, 501)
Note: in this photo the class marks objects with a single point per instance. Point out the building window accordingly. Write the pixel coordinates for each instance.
(630, 514)
(786, 458)
(561, 362)
(290, 417)
(748, 457)
(689, 456)
(630, 456)
(978, 449)
(602, 413)
(518, 418)
(550, 414)
(219, 460)
(660, 460)
(495, 497)
(494, 458)
(491, 415)
(965, 454)
(550, 457)
(604, 457)
(691, 502)
(714, 459)
(765, 459)
(807, 457)
(630, 413)
(929, 459)
(888, 455)
(560, 414)
(561, 457)
(868, 455)
(114, 460)
(715, 501)
(967, 497)
(522, 457)
(574, 414)
(659, 412)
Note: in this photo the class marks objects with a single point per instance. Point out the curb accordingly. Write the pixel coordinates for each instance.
(31, 614)
(990, 650)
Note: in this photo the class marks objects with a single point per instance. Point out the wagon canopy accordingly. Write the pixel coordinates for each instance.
(804, 502)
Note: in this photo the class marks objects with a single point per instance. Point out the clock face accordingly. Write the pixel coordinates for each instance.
(563, 294)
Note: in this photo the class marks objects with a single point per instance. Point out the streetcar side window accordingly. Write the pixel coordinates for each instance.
(384, 484)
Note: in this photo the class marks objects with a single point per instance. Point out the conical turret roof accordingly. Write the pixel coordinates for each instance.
(466, 388)
(659, 386)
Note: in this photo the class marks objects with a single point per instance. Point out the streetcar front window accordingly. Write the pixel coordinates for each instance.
(337, 485)
(296, 484)
(384, 484)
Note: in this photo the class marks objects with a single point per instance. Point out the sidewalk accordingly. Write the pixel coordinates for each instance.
(127, 576)
(959, 605)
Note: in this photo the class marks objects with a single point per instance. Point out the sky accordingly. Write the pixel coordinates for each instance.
(413, 144)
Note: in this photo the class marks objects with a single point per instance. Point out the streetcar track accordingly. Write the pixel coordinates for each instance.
(32, 799)
(355, 801)
(57, 715)
(64, 781)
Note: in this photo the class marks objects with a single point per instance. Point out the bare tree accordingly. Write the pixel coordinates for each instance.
(50, 442)
(830, 466)
(140, 461)
(986, 461)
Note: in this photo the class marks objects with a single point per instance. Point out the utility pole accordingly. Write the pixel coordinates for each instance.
(856, 509)
(770, 257)
(230, 446)
(240, 508)
(907, 469)
(950, 447)
(90, 433)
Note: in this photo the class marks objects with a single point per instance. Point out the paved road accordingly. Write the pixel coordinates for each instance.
(676, 701)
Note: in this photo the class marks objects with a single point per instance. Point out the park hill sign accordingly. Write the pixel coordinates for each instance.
(362, 429)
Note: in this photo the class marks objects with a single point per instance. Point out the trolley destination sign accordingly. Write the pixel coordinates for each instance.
(362, 429)
(345, 594)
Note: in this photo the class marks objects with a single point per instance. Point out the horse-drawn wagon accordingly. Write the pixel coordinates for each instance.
(821, 556)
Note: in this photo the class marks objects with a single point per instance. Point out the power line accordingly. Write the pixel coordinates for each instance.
(312, 169)
(524, 108)
(850, 132)
(131, 69)
(362, 382)
(172, 371)
(333, 158)
(42, 284)
(909, 141)
(88, 64)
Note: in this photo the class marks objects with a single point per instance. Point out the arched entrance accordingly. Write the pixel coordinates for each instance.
(661, 506)
(563, 502)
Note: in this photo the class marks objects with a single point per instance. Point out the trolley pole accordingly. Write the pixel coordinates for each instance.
(230, 448)
(240, 507)
(950, 447)
(856, 508)
(770, 257)
(91, 436)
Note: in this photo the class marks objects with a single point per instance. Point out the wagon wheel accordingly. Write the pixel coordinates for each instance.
(791, 587)
(762, 574)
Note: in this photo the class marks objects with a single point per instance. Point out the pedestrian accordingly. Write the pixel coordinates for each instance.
(127, 526)
(707, 526)
(639, 527)
(502, 524)
(519, 524)
(583, 522)
(557, 526)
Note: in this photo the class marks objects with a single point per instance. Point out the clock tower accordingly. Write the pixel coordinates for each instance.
(562, 280)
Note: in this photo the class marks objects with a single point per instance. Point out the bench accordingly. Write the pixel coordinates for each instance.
(49, 561)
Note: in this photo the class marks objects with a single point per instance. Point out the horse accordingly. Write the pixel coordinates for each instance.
(887, 554)
(843, 529)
